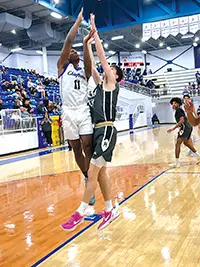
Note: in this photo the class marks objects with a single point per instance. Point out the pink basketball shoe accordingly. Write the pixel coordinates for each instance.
(108, 217)
(73, 222)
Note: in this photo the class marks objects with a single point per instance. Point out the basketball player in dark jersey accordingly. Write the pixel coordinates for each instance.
(104, 139)
(185, 131)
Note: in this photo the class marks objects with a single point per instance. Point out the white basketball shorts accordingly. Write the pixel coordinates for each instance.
(76, 121)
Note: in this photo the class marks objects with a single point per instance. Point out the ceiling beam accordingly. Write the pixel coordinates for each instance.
(139, 39)
(125, 10)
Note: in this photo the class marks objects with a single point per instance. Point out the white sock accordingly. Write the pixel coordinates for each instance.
(177, 161)
(108, 205)
(197, 154)
(81, 209)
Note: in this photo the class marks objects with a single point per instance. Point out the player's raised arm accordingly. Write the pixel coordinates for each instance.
(87, 58)
(95, 73)
(100, 52)
(68, 43)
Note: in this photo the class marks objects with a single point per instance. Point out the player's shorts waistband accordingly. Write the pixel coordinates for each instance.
(64, 107)
(103, 124)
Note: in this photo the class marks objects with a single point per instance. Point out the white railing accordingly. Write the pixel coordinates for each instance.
(139, 109)
(12, 122)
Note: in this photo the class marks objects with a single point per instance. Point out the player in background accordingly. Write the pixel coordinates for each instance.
(185, 131)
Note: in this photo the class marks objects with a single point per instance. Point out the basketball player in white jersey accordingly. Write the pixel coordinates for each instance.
(76, 116)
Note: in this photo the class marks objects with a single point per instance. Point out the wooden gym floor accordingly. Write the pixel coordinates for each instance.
(160, 215)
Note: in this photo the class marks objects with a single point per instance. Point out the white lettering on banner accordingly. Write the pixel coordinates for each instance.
(183, 22)
(174, 27)
(146, 31)
(155, 30)
(194, 23)
(165, 28)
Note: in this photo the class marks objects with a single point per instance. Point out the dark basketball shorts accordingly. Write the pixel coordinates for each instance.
(185, 134)
(104, 140)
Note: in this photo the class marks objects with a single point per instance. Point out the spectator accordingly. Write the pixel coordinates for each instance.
(26, 105)
(6, 86)
(164, 89)
(155, 119)
(61, 132)
(190, 88)
(194, 89)
(57, 100)
(17, 105)
(197, 75)
(46, 82)
(1, 105)
(41, 108)
(39, 81)
(20, 80)
(185, 90)
(46, 128)
(23, 93)
(17, 96)
(199, 90)
(24, 113)
(30, 84)
(46, 102)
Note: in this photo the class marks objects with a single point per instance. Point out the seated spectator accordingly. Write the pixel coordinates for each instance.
(46, 82)
(185, 91)
(23, 93)
(30, 84)
(46, 101)
(17, 105)
(20, 80)
(17, 96)
(1, 105)
(39, 81)
(26, 105)
(155, 119)
(6, 86)
(164, 89)
(57, 100)
(24, 113)
(41, 109)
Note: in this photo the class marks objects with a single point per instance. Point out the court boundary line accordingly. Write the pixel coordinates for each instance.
(93, 223)
(63, 148)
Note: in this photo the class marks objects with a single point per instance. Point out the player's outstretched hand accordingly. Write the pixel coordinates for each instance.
(89, 36)
(92, 20)
(169, 131)
(80, 15)
(189, 107)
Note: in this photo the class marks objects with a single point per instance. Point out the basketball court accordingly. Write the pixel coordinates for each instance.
(159, 214)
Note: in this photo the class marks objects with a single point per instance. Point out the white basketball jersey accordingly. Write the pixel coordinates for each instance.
(73, 86)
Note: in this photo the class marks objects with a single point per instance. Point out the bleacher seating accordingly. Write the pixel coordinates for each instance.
(7, 96)
(175, 81)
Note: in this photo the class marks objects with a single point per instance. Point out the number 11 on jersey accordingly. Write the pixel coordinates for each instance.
(77, 84)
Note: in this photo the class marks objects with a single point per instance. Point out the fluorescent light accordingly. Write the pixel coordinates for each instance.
(0, 44)
(105, 45)
(111, 52)
(16, 49)
(143, 40)
(196, 39)
(13, 31)
(169, 48)
(161, 44)
(77, 45)
(56, 2)
(137, 46)
(117, 37)
(189, 35)
(144, 51)
(78, 53)
(56, 15)
(195, 44)
(39, 52)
